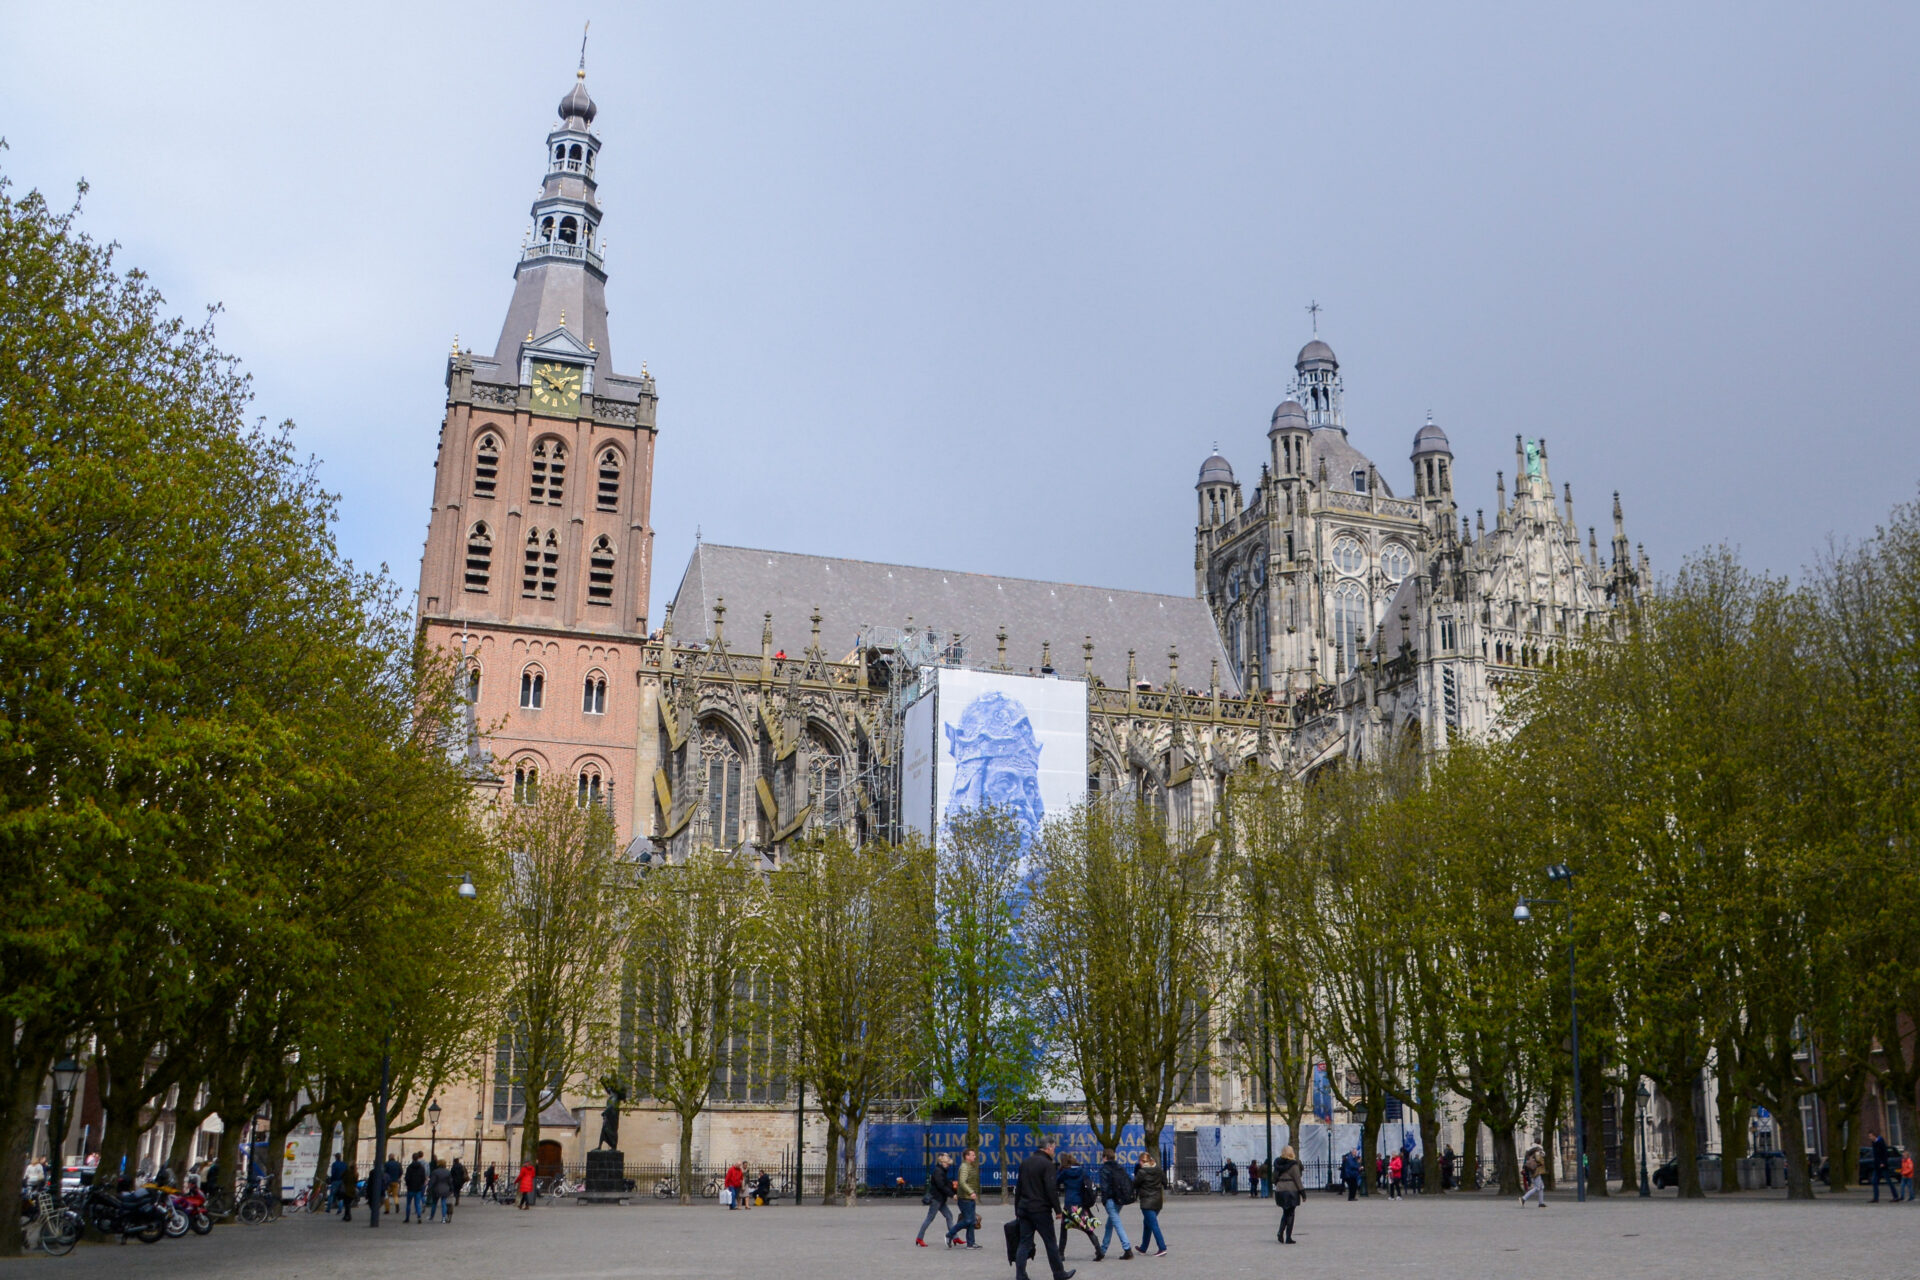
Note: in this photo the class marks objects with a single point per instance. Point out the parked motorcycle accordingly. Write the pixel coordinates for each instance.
(141, 1214)
(192, 1202)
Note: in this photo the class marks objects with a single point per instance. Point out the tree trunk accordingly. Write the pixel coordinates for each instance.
(323, 1160)
(686, 1158)
(186, 1127)
(1429, 1157)
(1793, 1141)
(973, 1119)
(1595, 1103)
(1550, 1121)
(1369, 1146)
(275, 1163)
(229, 1154)
(1686, 1144)
(1734, 1113)
(1506, 1158)
(1840, 1153)
(350, 1142)
(16, 1146)
(830, 1180)
(1470, 1148)
(1630, 1136)
(120, 1128)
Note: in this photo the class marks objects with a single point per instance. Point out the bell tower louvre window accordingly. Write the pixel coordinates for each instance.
(486, 466)
(479, 558)
(600, 572)
(609, 494)
(549, 473)
(540, 575)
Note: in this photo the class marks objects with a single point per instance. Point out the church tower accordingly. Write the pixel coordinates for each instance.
(539, 551)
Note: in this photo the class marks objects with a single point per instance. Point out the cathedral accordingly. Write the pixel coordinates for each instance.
(1331, 619)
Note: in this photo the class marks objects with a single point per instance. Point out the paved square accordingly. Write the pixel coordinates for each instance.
(1477, 1237)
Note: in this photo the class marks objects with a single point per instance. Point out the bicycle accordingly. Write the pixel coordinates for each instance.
(668, 1188)
(55, 1227)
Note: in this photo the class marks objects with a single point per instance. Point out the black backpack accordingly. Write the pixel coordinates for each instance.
(1122, 1185)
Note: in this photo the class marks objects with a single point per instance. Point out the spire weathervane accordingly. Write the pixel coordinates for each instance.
(582, 72)
(1313, 313)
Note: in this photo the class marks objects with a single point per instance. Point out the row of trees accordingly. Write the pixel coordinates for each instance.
(229, 798)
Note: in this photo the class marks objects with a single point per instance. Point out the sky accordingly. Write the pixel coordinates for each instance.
(980, 286)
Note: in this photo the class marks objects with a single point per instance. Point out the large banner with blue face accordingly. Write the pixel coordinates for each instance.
(1019, 742)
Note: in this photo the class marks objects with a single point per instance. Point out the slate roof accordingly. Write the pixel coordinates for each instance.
(1342, 460)
(853, 594)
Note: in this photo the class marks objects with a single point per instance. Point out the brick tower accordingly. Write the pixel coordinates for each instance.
(539, 552)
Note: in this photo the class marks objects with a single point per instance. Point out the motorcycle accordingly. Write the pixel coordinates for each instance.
(141, 1214)
(192, 1203)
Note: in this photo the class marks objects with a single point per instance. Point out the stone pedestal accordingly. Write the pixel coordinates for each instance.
(606, 1178)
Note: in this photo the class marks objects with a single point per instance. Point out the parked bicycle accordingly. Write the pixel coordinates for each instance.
(668, 1188)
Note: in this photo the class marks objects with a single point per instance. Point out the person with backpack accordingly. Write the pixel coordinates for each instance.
(440, 1191)
(493, 1180)
(940, 1189)
(1073, 1199)
(1535, 1171)
(1350, 1172)
(1150, 1190)
(1289, 1189)
(460, 1178)
(1116, 1191)
(416, 1189)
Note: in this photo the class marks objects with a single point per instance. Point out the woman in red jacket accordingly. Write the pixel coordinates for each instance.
(526, 1185)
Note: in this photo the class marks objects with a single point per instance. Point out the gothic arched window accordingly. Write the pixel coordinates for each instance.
(593, 694)
(1349, 623)
(486, 466)
(1395, 561)
(533, 688)
(726, 793)
(479, 557)
(546, 228)
(826, 783)
(526, 782)
(600, 572)
(1348, 556)
(547, 483)
(608, 498)
(569, 230)
(473, 685)
(590, 790)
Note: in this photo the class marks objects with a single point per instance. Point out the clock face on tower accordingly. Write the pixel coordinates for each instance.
(556, 387)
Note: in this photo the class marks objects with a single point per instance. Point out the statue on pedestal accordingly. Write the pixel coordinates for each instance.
(610, 1119)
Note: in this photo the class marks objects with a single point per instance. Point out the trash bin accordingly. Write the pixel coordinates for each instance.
(1753, 1173)
(1709, 1173)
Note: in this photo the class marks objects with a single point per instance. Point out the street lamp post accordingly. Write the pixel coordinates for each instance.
(1266, 1075)
(1366, 1171)
(479, 1118)
(1562, 872)
(1645, 1095)
(433, 1131)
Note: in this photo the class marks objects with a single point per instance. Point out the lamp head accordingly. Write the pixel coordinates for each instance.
(66, 1075)
(1643, 1093)
(1522, 912)
(1559, 871)
(433, 1110)
(467, 889)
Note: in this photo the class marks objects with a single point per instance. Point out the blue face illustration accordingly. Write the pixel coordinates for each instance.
(996, 761)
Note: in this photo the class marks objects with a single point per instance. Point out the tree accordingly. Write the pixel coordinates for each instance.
(566, 923)
(695, 929)
(982, 1038)
(849, 928)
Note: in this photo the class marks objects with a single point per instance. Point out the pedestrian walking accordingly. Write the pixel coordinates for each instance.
(1229, 1177)
(391, 1180)
(1535, 1170)
(736, 1178)
(416, 1189)
(440, 1192)
(1073, 1201)
(336, 1174)
(1446, 1168)
(493, 1180)
(1396, 1176)
(1350, 1172)
(1116, 1190)
(967, 1191)
(460, 1178)
(526, 1185)
(1254, 1172)
(1150, 1189)
(1906, 1175)
(1036, 1199)
(1289, 1189)
(940, 1189)
(349, 1192)
(1877, 1147)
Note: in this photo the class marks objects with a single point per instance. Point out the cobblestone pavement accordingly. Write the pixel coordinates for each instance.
(1472, 1237)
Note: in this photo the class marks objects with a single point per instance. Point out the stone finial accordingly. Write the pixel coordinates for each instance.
(1133, 672)
(815, 618)
(1173, 667)
(1086, 649)
(719, 619)
(1046, 657)
(1001, 636)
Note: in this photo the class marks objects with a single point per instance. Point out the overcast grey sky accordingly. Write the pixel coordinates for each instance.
(978, 286)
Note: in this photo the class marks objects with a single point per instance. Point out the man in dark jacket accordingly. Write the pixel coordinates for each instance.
(336, 1174)
(1881, 1169)
(460, 1178)
(1116, 1191)
(1350, 1172)
(416, 1190)
(1036, 1199)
